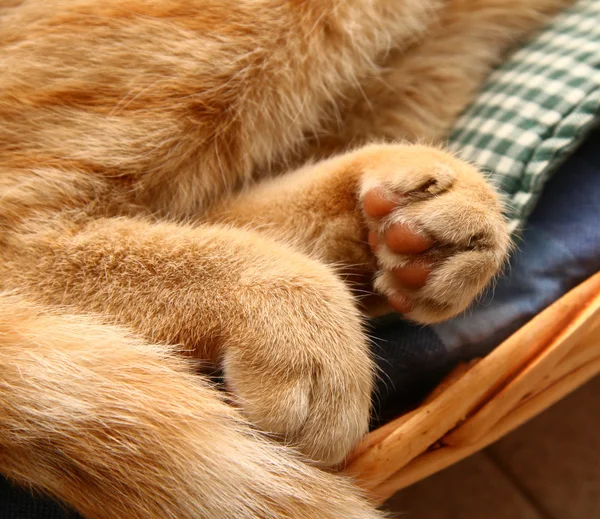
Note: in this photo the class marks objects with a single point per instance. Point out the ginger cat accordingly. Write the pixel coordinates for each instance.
(147, 210)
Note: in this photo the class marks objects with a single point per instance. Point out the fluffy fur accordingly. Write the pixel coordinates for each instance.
(140, 225)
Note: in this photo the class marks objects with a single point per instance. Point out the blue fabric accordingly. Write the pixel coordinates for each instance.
(559, 248)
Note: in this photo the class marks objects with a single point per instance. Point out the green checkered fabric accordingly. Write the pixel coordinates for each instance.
(535, 108)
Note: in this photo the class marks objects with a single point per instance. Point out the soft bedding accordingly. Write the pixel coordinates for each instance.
(535, 108)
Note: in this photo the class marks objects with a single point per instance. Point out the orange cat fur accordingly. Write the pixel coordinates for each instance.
(137, 223)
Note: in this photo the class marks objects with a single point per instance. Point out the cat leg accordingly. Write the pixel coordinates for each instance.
(424, 88)
(122, 429)
(424, 226)
(283, 326)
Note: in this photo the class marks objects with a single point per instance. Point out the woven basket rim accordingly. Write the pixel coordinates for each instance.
(550, 356)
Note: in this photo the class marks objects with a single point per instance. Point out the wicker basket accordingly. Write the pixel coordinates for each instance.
(546, 359)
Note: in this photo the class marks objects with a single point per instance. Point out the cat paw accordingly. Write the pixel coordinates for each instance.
(320, 410)
(435, 227)
(303, 372)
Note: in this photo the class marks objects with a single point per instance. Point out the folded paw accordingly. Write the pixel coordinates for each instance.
(300, 367)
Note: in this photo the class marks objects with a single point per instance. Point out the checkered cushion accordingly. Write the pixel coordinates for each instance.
(536, 108)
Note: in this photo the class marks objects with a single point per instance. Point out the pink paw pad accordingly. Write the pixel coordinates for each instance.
(399, 239)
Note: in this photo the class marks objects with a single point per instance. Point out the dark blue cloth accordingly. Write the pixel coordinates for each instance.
(18, 503)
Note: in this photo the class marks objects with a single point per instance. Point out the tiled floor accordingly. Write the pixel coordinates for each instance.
(547, 469)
